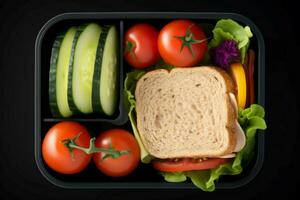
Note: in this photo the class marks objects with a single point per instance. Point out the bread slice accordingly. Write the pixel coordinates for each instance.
(186, 112)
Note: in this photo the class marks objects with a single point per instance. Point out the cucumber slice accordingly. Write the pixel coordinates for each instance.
(70, 76)
(52, 76)
(106, 69)
(97, 71)
(61, 60)
(83, 67)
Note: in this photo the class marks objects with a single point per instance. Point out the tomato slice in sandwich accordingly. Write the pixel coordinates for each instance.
(188, 164)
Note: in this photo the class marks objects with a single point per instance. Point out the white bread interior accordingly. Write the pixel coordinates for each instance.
(186, 112)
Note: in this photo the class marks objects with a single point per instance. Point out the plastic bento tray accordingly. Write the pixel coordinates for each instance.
(144, 176)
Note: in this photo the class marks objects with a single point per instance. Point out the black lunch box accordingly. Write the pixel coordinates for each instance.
(144, 176)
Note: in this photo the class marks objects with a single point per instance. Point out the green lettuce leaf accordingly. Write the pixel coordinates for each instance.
(174, 177)
(227, 29)
(252, 120)
(130, 103)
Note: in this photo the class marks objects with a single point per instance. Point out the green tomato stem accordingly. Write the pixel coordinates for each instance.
(188, 39)
(129, 48)
(109, 152)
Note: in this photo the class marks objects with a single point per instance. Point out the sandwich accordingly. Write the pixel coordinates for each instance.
(198, 122)
(188, 113)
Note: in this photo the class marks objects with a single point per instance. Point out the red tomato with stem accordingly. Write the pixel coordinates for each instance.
(120, 140)
(182, 43)
(58, 156)
(141, 46)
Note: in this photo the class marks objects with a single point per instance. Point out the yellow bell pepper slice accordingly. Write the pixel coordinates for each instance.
(238, 74)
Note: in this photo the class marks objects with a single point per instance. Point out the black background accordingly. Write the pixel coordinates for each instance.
(20, 22)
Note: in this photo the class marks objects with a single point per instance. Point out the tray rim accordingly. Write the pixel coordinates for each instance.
(149, 15)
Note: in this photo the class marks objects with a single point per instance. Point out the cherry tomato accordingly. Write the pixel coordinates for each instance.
(57, 156)
(182, 43)
(141, 46)
(187, 164)
(121, 140)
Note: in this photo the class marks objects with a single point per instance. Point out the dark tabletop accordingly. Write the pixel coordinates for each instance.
(20, 22)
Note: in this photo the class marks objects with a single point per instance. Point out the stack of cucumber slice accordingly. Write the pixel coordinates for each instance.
(83, 71)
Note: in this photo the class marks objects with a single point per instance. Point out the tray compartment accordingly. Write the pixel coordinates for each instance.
(144, 176)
